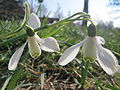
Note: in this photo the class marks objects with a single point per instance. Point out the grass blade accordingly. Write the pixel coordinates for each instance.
(84, 74)
(6, 83)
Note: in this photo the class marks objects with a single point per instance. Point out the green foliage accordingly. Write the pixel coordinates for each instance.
(76, 73)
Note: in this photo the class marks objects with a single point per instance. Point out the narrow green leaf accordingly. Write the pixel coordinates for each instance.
(111, 87)
(6, 83)
(17, 73)
(13, 39)
(54, 32)
(42, 80)
(39, 8)
(84, 74)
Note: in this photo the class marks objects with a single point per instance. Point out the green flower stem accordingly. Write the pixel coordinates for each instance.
(87, 19)
(26, 17)
(80, 14)
(84, 73)
(61, 24)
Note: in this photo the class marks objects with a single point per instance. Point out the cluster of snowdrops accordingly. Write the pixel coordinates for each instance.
(92, 48)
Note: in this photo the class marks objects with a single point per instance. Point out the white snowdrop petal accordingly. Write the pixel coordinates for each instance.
(107, 61)
(100, 40)
(34, 48)
(118, 68)
(34, 21)
(70, 54)
(89, 49)
(49, 44)
(16, 57)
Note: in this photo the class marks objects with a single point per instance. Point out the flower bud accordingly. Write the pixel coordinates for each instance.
(92, 30)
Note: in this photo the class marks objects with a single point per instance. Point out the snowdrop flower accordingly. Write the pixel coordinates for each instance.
(35, 43)
(92, 48)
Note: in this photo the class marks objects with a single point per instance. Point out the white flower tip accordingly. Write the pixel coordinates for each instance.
(57, 49)
(118, 69)
(11, 67)
(35, 55)
(61, 63)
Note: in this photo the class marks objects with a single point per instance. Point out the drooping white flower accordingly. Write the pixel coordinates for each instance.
(92, 49)
(35, 44)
